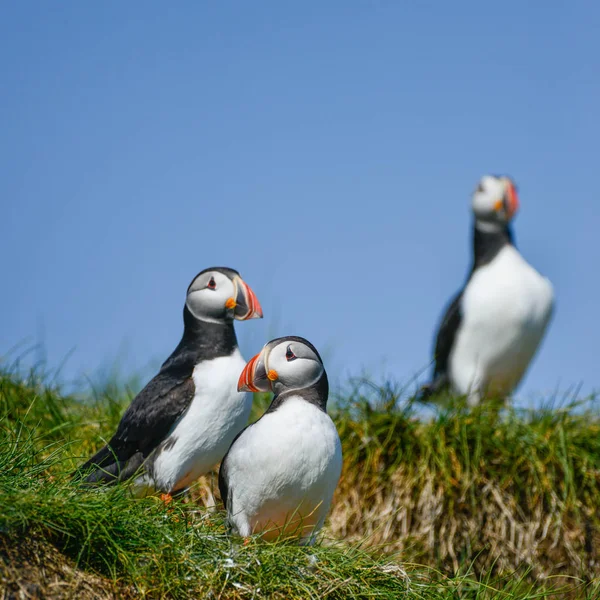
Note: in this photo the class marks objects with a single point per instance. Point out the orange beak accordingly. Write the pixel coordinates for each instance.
(246, 380)
(254, 377)
(513, 199)
(247, 305)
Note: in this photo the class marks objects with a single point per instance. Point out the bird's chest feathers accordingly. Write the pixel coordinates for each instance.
(508, 291)
(216, 414)
(216, 397)
(284, 470)
(305, 441)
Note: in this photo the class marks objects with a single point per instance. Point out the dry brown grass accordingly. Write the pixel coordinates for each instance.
(493, 491)
(496, 535)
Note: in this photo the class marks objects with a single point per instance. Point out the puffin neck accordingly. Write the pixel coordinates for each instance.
(488, 243)
(202, 340)
(315, 394)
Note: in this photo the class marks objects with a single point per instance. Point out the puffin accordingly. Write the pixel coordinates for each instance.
(494, 325)
(279, 476)
(182, 423)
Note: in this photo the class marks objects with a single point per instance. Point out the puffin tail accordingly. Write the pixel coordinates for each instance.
(106, 466)
(103, 467)
(434, 387)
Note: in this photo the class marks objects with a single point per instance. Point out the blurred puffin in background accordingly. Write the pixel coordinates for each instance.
(493, 327)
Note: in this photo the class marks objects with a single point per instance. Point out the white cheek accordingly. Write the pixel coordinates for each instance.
(481, 204)
(207, 304)
(300, 375)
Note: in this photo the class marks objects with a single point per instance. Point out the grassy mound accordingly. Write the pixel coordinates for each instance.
(499, 490)
(478, 505)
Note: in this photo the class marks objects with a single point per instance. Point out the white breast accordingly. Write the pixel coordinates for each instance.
(282, 472)
(204, 433)
(506, 308)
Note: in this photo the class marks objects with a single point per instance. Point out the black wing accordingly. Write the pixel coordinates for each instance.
(443, 346)
(223, 483)
(146, 422)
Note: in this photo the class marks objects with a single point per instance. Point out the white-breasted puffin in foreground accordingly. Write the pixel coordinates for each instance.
(494, 325)
(280, 473)
(182, 423)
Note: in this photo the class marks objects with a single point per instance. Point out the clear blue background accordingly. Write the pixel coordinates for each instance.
(326, 150)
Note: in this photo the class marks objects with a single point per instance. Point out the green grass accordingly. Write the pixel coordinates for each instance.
(483, 505)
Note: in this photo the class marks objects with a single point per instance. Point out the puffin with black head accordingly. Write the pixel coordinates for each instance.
(280, 473)
(182, 423)
(493, 327)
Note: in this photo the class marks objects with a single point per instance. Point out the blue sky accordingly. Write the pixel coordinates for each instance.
(325, 150)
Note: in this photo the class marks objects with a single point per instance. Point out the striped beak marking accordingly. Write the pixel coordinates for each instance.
(511, 199)
(510, 202)
(245, 305)
(254, 377)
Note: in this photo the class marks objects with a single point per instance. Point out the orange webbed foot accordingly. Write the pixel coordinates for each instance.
(166, 498)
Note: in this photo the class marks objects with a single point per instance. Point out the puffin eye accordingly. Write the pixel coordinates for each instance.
(212, 284)
(480, 187)
(289, 354)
